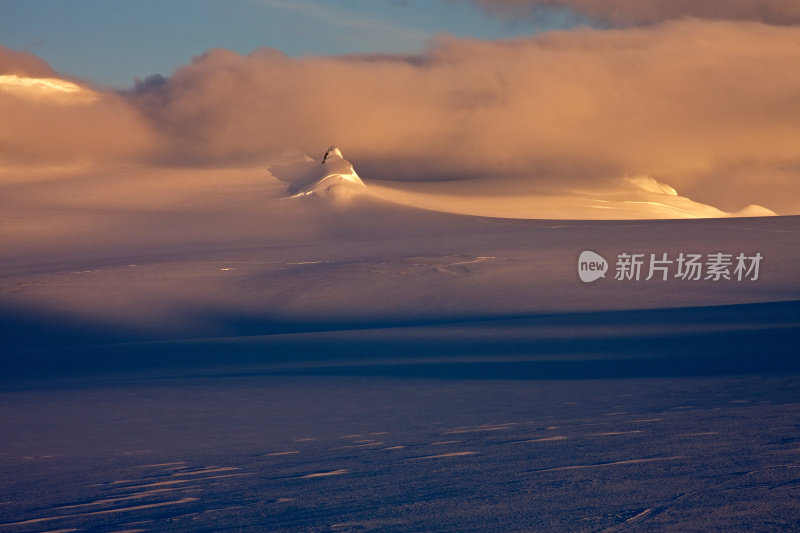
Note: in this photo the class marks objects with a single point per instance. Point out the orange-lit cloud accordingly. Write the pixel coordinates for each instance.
(23, 64)
(48, 120)
(621, 13)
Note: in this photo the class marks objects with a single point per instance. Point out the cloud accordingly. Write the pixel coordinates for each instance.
(710, 108)
(49, 120)
(23, 63)
(621, 13)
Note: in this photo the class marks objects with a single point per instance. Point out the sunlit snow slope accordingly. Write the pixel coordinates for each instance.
(639, 197)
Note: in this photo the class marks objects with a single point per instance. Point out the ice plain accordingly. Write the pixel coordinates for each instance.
(194, 349)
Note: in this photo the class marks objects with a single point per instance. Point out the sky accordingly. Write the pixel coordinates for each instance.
(545, 96)
(111, 43)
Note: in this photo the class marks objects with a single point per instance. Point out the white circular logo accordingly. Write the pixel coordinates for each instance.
(591, 266)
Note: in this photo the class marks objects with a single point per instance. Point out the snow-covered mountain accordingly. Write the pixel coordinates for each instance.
(334, 176)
